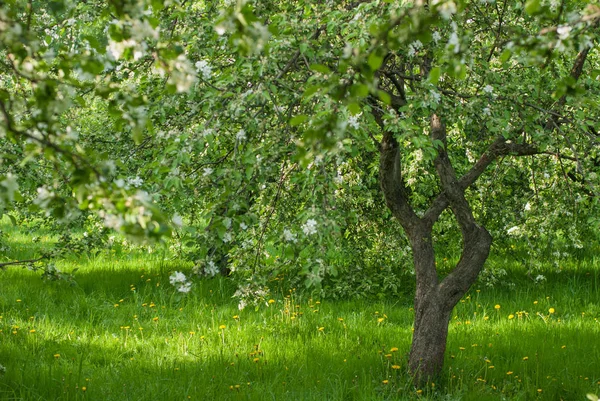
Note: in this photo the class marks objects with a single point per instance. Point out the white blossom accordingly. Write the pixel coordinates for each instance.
(527, 207)
(310, 227)
(436, 36)
(446, 9)
(177, 277)
(435, 96)
(488, 89)
(177, 220)
(204, 68)
(207, 171)
(227, 237)
(185, 287)
(414, 47)
(563, 32)
(454, 41)
(241, 135)
(243, 226)
(211, 268)
(289, 236)
(135, 182)
(487, 111)
(513, 230)
(353, 121)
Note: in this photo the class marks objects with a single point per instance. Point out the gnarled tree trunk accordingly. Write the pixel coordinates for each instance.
(435, 300)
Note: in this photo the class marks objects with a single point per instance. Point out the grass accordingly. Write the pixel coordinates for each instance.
(123, 333)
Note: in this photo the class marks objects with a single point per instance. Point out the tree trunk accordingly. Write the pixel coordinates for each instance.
(429, 337)
(434, 301)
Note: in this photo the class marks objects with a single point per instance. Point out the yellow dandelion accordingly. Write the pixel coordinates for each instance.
(511, 316)
(525, 358)
(381, 319)
(57, 356)
(385, 381)
(32, 331)
(509, 373)
(222, 327)
(155, 319)
(396, 367)
(116, 305)
(84, 388)
(539, 390)
(491, 367)
(535, 302)
(551, 310)
(497, 307)
(256, 360)
(321, 328)
(271, 301)
(394, 349)
(419, 391)
(486, 318)
(236, 317)
(564, 346)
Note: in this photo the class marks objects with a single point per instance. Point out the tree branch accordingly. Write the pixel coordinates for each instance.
(21, 262)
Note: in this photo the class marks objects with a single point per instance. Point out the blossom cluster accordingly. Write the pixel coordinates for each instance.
(180, 281)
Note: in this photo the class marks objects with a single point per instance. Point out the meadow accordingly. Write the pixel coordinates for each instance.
(122, 332)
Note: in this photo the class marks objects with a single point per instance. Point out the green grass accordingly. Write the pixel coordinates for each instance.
(123, 333)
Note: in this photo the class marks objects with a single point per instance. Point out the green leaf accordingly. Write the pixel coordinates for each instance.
(505, 55)
(297, 120)
(354, 108)
(533, 7)
(375, 61)
(359, 90)
(311, 90)
(434, 75)
(384, 97)
(320, 68)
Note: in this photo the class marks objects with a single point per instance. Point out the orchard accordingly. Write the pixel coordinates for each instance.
(416, 155)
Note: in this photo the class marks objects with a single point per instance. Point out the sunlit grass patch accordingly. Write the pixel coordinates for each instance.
(123, 332)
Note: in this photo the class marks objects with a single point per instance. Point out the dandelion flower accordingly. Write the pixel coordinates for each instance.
(497, 307)
(396, 367)
(222, 327)
(385, 381)
(511, 316)
(551, 310)
(394, 349)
